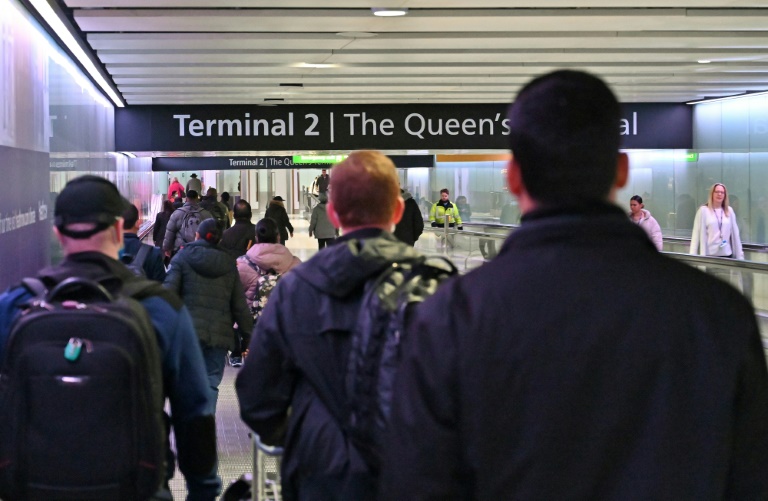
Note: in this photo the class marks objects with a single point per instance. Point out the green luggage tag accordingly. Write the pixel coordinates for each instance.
(73, 349)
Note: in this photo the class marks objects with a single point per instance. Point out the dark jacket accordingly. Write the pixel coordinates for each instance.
(236, 239)
(158, 230)
(185, 382)
(322, 183)
(276, 211)
(411, 225)
(154, 268)
(206, 278)
(297, 360)
(218, 210)
(581, 364)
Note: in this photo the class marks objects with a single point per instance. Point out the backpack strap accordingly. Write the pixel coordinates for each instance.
(141, 256)
(35, 286)
(141, 288)
(255, 267)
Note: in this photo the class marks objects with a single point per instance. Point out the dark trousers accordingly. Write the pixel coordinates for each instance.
(324, 242)
(491, 252)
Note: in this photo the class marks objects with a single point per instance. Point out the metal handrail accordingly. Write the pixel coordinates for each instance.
(752, 247)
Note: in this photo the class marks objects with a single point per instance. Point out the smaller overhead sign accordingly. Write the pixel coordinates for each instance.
(318, 159)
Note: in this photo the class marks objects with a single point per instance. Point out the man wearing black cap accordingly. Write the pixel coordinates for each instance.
(206, 278)
(89, 227)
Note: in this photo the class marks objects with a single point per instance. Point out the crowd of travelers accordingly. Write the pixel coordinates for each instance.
(527, 378)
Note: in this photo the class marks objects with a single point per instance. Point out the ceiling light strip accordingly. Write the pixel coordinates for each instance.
(62, 31)
(728, 98)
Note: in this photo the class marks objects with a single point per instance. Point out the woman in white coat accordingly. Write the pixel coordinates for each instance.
(643, 218)
(715, 230)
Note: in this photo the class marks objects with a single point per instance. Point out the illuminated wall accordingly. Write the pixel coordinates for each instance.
(54, 125)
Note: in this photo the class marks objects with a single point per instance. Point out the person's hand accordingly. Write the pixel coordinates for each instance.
(310, 234)
(245, 353)
(434, 224)
(291, 234)
(167, 253)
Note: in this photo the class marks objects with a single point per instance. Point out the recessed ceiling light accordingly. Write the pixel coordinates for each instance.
(386, 12)
(704, 61)
(315, 65)
(356, 34)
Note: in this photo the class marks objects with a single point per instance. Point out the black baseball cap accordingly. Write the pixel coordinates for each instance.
(88, 199)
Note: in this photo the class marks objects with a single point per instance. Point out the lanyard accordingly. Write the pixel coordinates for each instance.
(720, 222)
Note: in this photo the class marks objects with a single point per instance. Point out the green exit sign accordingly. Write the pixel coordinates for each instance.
(318, 159)
(691, 157)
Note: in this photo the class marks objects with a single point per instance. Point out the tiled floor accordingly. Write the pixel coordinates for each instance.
(234, 443)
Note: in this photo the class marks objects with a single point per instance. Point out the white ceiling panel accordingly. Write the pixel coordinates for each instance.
(443, 51)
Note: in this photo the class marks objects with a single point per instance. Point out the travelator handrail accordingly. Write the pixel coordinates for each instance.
(752, 247)
(734, 266)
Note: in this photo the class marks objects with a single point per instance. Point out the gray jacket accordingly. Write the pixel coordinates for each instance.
(319, 224)
(207, 280)
(174, 238)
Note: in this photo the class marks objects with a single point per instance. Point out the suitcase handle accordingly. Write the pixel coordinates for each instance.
(82, 288)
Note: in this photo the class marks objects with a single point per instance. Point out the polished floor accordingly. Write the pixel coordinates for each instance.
(234, 442)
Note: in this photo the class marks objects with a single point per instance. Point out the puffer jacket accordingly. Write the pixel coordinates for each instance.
(206, 279)
(319, 224)
(174, 230)
(651, 227)
(297, 360)
(267, 257)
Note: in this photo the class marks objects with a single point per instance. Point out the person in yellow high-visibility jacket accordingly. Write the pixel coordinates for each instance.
(445, 208)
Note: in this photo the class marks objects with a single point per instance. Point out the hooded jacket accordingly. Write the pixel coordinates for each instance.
(267, 257)
(319, 224)
(206, 279)
(297, 360)
(651, 227)
(177, 187)
(276, 211)
(174, 236)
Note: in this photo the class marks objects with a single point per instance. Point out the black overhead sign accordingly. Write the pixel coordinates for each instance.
(165, 164)
(351, 127)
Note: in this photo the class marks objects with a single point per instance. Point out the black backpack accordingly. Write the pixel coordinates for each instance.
(217, 211)
(375, 353)
(136, 263)
(81, 396)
